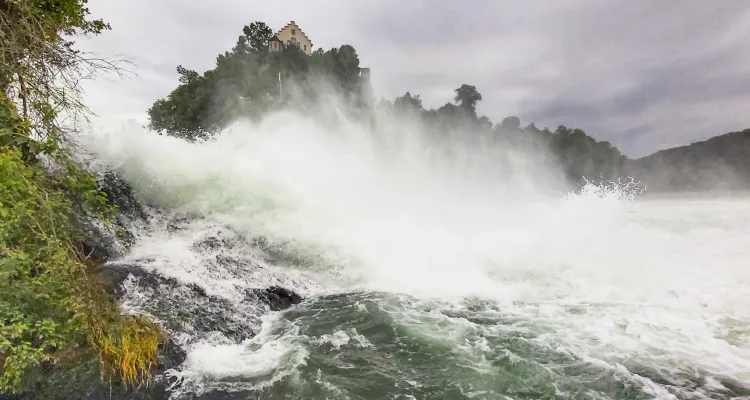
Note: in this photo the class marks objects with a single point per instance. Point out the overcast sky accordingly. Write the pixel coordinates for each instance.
(643, 74)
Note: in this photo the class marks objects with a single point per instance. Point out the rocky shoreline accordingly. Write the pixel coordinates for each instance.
(183, 310)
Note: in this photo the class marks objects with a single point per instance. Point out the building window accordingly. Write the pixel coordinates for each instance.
(294, 31)
(294, 40)
(304, 47)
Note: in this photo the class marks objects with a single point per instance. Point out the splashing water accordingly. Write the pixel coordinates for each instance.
(469, 275)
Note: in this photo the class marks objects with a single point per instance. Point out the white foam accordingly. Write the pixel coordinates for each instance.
(271, 355)
(651, 276)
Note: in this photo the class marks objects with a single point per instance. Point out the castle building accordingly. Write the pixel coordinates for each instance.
(290, 34)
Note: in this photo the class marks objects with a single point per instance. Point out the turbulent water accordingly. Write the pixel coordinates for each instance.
(425, 275)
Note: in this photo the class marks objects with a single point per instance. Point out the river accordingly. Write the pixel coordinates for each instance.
(431, 277)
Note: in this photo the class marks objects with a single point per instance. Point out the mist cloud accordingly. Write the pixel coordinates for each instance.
(642, 75)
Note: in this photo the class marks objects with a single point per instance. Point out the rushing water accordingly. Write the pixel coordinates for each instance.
(430, 276)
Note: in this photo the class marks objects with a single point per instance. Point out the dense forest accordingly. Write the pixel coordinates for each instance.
(246, 82)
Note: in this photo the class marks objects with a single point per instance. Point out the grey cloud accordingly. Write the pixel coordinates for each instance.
(641, 74)
(690, 73)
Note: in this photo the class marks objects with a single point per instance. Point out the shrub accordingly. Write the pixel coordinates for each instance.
(52, 306)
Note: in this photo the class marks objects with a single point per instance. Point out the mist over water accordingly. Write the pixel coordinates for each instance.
(451, 270)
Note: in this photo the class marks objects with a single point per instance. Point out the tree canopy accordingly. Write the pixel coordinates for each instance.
(576, 153)
(39, 66)
(467, 97)
(250, 80)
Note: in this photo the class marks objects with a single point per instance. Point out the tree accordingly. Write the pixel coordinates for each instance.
(40, 69)
(531, 128)
(256, 36)
(467, 97)
(484, 122)
(245, 83)
(511, 123)
(409, 103)
(346, 67)
(186, 75)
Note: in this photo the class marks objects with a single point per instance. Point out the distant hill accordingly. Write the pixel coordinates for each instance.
(719, 163)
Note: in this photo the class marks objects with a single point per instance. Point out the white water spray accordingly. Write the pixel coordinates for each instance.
(663, 279)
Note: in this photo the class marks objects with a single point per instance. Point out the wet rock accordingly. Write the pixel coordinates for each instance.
(82, 381)
(97, 245)
(210, 243)
(181, 308)
(221, 241)
(277, 298)
(188, 309)
(106, 242)
(157, 391)
(192, 311)
(177, 224)
(171, 355)
(114, 275)
(103, 242)
(119, 193)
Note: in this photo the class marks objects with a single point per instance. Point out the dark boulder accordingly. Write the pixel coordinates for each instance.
(171, 355)
(104, 243)
(187, 308)
(114, 275)
(181, 308)
(120, 194)
(277, 298)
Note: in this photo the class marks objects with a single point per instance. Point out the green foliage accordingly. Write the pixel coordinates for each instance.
(50, 303)
(34, 280)
(68, 17)
(40, 70)
(256, 36)
(246, 83)
(52, 307)
(576, 153)
(511, 123)
(581, 155)
(408, 104)
(467, 97)
(15, 131)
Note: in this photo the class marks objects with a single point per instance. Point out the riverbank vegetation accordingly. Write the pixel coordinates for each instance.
(54, 310)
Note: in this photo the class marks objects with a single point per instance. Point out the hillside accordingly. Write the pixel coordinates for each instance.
(719, 163)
